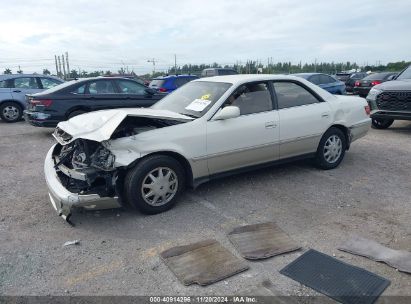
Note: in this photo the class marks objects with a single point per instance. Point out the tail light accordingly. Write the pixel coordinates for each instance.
(162, 90)
(375, 82)
(41, 102)
(357, 84)
(367, 110)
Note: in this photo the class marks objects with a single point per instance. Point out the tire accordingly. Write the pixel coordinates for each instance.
(379, 123)
(335, 143)
(139, 176)
(10, 111)
(75, 113)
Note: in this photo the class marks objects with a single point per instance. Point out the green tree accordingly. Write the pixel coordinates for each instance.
(20, 71)
(74, 74)
(7, 71)
(46, 72)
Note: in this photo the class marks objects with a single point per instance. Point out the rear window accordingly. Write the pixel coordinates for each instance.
(377, 76)
(156, 83)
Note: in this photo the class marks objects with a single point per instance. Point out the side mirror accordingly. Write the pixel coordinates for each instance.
(227, 113)
(150, 91)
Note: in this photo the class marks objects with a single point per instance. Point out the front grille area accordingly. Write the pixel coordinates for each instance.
(394, 101)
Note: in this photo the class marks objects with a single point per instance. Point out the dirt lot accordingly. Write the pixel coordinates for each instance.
(369, 195)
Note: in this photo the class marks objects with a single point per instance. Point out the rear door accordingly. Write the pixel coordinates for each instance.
(304, 118)
(21, 86)
(102, 94)
(327, 83)
(133, 94)
(5, 90)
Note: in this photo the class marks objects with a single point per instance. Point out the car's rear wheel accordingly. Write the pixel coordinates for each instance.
(379, 123)
(10, 111)
(154, 184)
(331, 149)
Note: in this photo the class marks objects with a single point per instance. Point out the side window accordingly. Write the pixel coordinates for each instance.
(251, 98)
(290, 94)
(181, 81)
(210, 73)
(325, 79)
(101, 87)
(315, 79)
(25, 83)
(3, 84)
(48, 82)
(129, 87)
(79, 90)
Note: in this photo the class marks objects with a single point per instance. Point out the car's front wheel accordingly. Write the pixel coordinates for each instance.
(379, 123)
(154, 184)
(331, 150)
(10, 112)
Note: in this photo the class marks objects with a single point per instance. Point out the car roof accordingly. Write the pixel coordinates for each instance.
(241, 78)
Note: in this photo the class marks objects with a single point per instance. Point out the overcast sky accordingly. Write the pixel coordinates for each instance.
(102, 35)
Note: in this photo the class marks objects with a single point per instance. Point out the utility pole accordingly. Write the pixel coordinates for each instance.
(57, 67)
(68, 67)
(153, 61)
(175, 63)
(64, 67)
(59, 72)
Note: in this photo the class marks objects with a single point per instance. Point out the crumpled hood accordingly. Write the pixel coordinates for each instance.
(100, 125)
(395, 85)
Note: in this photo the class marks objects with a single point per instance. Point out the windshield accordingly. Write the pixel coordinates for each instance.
(193, 99)
(406, 74)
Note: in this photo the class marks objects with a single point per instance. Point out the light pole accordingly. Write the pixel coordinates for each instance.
(154, 64)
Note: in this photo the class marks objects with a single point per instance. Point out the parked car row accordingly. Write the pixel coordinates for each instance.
(80, 96)
(363, 86)
(324, 81)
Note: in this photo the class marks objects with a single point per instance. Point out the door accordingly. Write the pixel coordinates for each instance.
(304, 118)
(101, 94)
(22, 86)
(250, 139)
(5, 90)
(133, 94)
(328, 83)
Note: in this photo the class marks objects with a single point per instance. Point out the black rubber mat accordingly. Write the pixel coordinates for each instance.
(261, 241)
(343, 282)
(203, 263)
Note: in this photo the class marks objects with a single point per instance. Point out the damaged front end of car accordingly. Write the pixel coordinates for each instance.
(82, 171)
(81, 174)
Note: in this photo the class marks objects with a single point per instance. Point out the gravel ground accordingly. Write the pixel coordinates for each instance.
(369, 195)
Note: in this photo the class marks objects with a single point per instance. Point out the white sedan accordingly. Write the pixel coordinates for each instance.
(206, 129)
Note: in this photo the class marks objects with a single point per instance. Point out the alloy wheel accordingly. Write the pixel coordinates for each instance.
(332, 149)
(159, 186)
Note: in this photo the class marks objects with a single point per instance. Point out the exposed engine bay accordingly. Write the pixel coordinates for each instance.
(87, 167)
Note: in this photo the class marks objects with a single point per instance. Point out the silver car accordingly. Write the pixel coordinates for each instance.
(13, 89)
(206, 129)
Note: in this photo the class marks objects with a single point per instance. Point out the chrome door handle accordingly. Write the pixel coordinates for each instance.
(270, 124)
(325, 115)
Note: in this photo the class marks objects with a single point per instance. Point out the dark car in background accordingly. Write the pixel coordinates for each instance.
(350, 82)
(48, 108)
(217, 72)
(13, 90)
(362, 87)
(391, 100)
(167, 84)
(324, 81)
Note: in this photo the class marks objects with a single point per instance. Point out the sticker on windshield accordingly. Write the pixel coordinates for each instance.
(206, 96)
(198, 105)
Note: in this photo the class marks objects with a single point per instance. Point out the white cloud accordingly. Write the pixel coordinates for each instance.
(105, 34)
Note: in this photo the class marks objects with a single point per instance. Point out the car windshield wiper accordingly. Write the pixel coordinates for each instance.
(189, 115)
